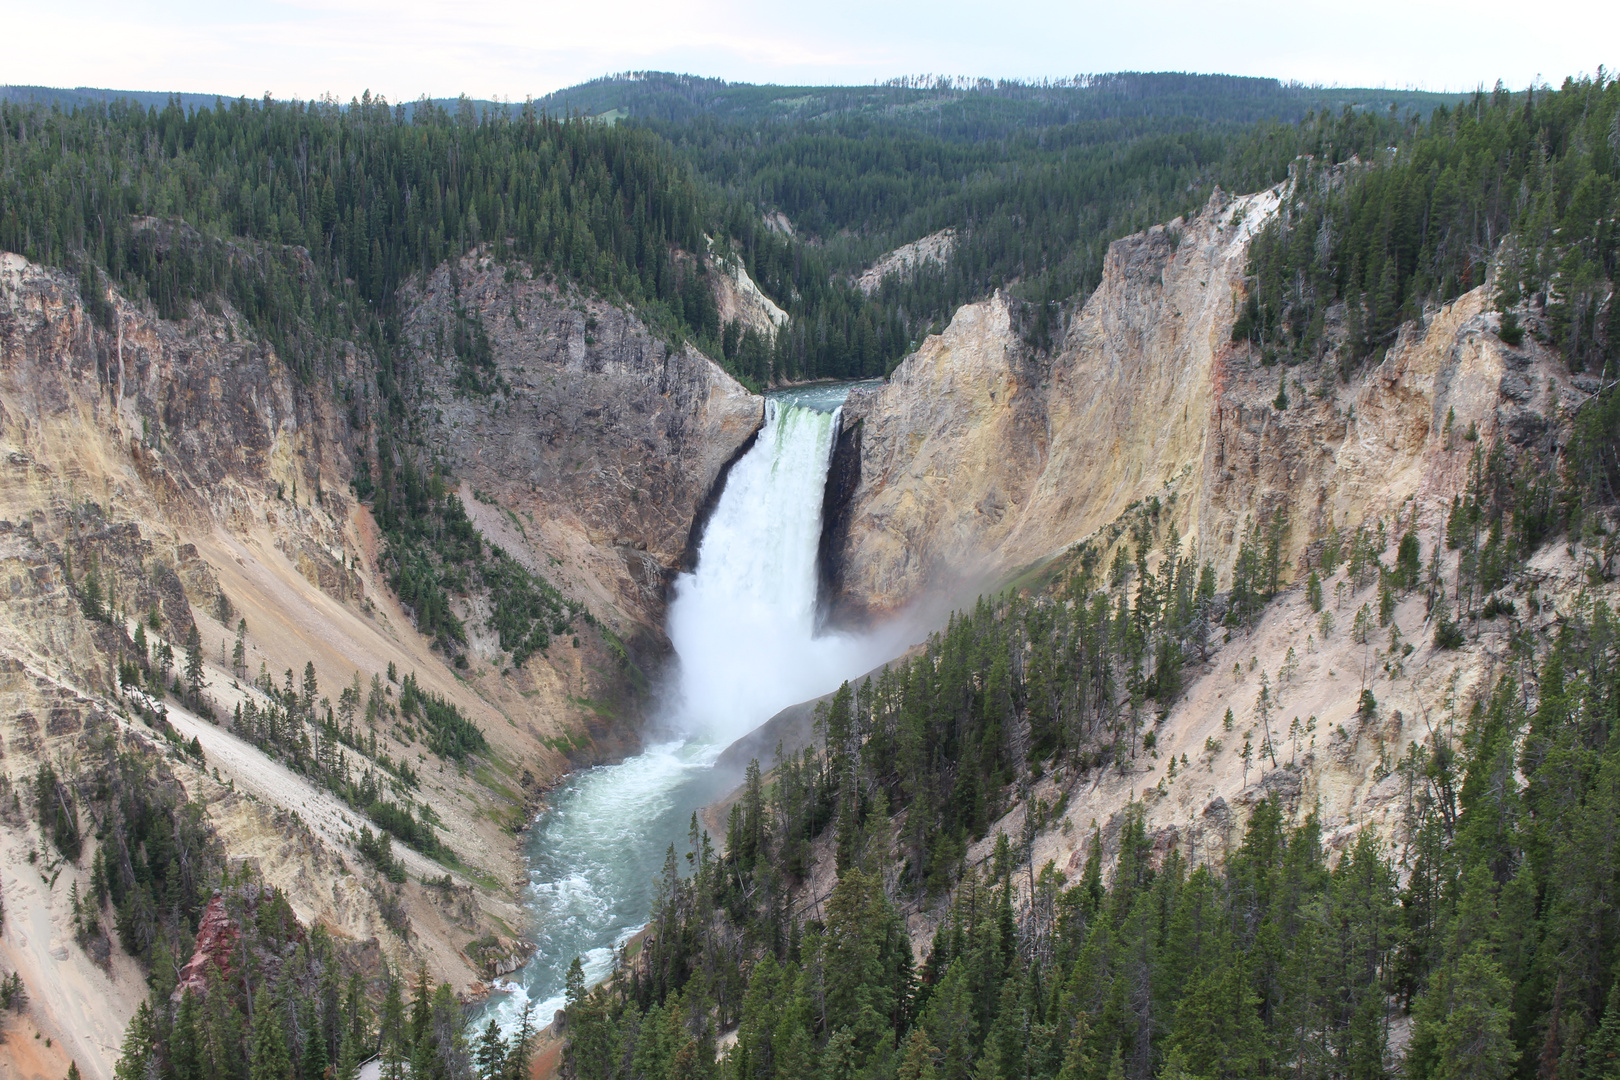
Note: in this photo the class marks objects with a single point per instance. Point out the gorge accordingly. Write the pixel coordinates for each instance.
(1167, 523)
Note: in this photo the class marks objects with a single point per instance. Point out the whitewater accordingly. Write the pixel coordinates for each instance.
(743, 625)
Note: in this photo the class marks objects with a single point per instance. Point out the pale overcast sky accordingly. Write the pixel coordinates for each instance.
(407, 48)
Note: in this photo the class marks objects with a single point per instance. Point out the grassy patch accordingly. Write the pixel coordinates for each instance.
(567, 742)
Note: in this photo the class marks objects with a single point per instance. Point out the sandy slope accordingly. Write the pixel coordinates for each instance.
(81, 1007)
(272, 782)
(25, 1054)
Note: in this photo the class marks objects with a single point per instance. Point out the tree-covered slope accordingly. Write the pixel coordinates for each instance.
(964, 109)
(370, 197)
(1520, 191)
(1036, 178)
(1467, 930)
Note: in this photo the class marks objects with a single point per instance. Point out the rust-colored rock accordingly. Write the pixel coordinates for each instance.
(217, 935)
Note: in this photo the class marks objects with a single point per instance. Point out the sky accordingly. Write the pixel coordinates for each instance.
(405, 49)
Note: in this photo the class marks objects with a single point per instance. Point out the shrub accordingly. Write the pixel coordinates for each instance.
(1448, 635)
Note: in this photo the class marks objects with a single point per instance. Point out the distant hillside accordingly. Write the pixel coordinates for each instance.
(80, 96)
(1034, 179)
(947, 107)
(972, 109)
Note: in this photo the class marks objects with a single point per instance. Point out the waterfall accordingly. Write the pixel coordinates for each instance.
(743, 626)
(743, 622)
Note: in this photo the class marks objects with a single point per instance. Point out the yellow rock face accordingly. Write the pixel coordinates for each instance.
(980, 457)
(183, 460)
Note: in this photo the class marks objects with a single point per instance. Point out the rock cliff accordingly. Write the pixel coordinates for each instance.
(981, 460)
(179, 470)
(979, 457)
(739, 298)
(599, 443)
(933, 250)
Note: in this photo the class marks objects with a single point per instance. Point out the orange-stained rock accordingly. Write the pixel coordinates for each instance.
(216, 940)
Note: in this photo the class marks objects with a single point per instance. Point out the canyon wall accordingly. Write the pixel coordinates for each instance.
(179, 462)
(982, 461)
(979, 457)
(600, 444)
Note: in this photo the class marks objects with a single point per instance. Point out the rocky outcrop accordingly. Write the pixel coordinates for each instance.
(217, 934)
(182, 471)
(932, 250)
(740, 300)
(981, 460)
(980, 457)
(597, 438)
(948, 449)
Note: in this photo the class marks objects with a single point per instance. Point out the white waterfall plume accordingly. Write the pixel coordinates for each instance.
(743, 622)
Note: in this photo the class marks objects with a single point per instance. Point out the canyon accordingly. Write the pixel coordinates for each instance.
(185, 465)
(982, 465)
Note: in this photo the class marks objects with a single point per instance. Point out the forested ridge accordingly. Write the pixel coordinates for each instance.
(1522, 185)
(309, 216)
(1035, 207)
(370, 197)
(969, 109)
(1479, 941)
(1521, 191)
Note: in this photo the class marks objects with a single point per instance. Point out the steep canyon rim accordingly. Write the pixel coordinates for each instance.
(975, 455)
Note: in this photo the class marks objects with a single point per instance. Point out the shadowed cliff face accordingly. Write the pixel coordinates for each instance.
(603, 442)
(978, 459)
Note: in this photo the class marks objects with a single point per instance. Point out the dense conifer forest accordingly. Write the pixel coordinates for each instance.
(308, 216)
(1484, 946)
(1520, 184)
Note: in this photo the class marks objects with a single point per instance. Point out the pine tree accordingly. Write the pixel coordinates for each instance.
(314, 1056)
(918, 1062)
(590, 1036)
(1472, 1035)
(349, 1057)
(490, 1058)
(194, 663)
(90, 599)
(517, 1054)
(269, 1059)
(185, 1050)
(421, 1007)
(138, 1059)
(394, 1037)
(1603, 1049)
(311, 690)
